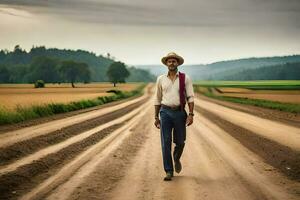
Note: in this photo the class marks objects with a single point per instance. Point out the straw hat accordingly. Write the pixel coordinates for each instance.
(172, 55)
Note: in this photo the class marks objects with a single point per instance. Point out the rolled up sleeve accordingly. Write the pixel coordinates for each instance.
(189, 89)
(158, 92)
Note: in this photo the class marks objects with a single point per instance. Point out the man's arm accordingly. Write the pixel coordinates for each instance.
(190, 100)
(191, 107)
(157, 108)
(190, 94)
(157, 102)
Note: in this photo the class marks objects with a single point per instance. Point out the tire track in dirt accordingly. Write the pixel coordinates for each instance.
(87, 158)
(24, 148)
(15, 183)
(207, 174)
(19, 180)
(289, 118)
(276, 131)
(61, 145)
(281, 157)
(85, 171)
(215, 166)
(249, 167)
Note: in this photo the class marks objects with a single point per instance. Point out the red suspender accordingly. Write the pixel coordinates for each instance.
(182, 90)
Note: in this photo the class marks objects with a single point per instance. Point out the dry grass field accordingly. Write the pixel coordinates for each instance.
(25, 95)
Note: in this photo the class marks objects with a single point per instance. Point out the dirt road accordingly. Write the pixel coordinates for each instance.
(117, 155)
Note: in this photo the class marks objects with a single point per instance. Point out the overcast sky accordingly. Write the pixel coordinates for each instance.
(141, 32)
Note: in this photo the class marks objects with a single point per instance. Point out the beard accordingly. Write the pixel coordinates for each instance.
(172, 68)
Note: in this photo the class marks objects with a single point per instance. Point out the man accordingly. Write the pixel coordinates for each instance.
(169, 115)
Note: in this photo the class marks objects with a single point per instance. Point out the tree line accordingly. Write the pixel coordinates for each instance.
(52, 70)
(49, 70)
(20, 66)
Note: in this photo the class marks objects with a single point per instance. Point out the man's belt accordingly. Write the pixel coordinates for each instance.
(171, 107)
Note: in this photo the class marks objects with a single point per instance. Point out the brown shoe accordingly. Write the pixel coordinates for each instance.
(178, 166)
(168, 176)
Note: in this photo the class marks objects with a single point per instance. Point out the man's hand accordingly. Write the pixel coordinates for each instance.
(189, 120)
(157, 123)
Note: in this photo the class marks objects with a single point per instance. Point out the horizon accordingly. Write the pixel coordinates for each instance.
(234, 59)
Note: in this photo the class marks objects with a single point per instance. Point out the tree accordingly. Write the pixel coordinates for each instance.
(4, 74)
(45, 68)
(17, 48)
(84, 72)
(19, 73)
(117, 73)
(75, 71)
(2, 56)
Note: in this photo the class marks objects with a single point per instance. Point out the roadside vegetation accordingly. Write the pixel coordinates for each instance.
(208, 89)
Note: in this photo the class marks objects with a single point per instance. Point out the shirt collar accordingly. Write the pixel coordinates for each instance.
(177, 74)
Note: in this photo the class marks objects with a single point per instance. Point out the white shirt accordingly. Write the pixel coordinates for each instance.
(167, 91)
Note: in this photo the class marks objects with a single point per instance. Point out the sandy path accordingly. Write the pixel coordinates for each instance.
(12, 137)
(57, 147)
(70, 186)
(216, 166)
(276, 131)
(74, 172)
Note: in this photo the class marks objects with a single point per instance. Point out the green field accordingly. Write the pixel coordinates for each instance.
(255, 85)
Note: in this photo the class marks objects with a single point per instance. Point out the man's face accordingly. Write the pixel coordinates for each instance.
(172, 64)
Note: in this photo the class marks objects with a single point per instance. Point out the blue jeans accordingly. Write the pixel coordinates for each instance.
(172, 120)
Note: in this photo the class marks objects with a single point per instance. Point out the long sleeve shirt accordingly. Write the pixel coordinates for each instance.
(167, 91)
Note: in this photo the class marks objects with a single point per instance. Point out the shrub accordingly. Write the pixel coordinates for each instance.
(39, 84)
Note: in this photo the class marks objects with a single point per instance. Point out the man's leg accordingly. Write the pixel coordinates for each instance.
(179, 135)
(178, 149)
(166, 126)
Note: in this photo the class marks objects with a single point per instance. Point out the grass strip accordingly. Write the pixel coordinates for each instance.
(254, 85)
(287, 107)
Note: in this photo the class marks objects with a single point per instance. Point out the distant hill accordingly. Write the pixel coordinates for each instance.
(224, 69)
(288, 71)
(17, 63)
